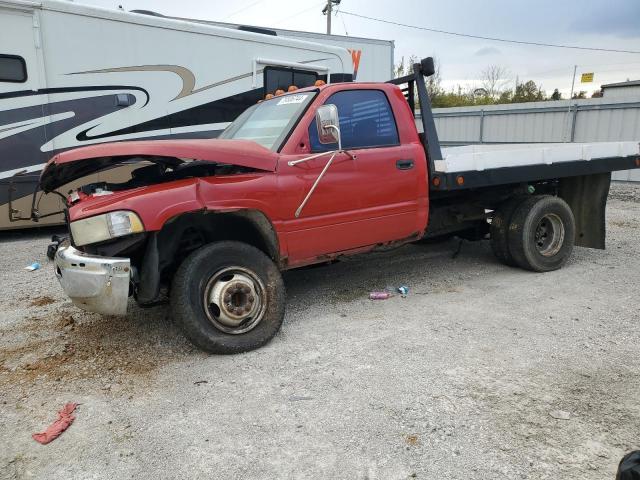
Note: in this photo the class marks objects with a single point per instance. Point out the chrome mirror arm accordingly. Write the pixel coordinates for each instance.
(315, 184)
(324, 170)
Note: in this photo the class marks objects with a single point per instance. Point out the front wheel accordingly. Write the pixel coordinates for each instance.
(228, 297)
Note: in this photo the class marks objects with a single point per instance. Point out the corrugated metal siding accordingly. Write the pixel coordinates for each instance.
(591, 120)
(621, 92)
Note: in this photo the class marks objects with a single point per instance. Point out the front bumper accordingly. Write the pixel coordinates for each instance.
(93, 283)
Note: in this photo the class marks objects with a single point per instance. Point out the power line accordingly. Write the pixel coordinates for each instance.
(244, 8)
(342, 18)
(493, 39)
(299, 13)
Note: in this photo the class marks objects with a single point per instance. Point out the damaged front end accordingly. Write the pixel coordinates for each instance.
(110, 254)
(94, 283)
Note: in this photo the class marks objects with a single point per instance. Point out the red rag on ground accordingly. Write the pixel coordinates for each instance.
(53, 431)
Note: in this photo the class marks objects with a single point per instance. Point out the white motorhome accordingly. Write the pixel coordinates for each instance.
(73, 75)
(372, 58)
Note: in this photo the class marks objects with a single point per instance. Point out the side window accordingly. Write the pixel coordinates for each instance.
(12, 69)
(366, 121)
(282, 78)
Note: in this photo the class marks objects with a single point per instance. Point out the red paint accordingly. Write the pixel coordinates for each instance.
(238, 152)
(358, 205)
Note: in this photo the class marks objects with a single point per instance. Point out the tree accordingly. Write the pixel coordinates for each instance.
(399, 69)
(528, 92)
(556, 95)
(597, 94)
(494, 80)
(579, 95)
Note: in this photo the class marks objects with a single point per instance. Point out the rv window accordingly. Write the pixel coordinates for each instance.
(12, 69)
(282, 78)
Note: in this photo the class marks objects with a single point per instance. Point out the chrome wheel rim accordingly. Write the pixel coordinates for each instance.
(234, 300)
(549, 235)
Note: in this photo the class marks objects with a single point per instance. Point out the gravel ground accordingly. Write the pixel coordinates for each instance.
(483, 371)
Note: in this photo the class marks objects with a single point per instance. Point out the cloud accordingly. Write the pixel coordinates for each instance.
(484, 51)
(620, 18)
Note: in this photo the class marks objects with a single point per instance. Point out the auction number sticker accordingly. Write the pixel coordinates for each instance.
(289, 99)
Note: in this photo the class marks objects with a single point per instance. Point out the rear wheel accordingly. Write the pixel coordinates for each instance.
(541, 233)
(228, 297)
(500, 229)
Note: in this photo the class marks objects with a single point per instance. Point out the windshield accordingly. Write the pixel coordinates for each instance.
(269, 122)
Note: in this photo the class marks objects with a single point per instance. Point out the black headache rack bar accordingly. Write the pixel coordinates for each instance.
(416, 84)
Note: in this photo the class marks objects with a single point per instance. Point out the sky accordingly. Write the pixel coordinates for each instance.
(614, 24)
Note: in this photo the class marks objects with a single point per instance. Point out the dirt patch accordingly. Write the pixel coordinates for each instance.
(72, 346)
(42, 301)
(412, 440)
(625, 223)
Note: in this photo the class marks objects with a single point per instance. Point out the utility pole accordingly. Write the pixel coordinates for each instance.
(565, 138)
(327, 11)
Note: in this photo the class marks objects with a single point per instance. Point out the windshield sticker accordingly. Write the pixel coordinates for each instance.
(289, 99)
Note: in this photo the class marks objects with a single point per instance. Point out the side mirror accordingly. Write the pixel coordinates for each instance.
(427, 67)
(328, 124)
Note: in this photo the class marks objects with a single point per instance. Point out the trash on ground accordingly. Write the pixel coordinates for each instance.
(53, 431)
(32, 267)
(403, 290)
(380, 295)
(560, 414)
(297, 398)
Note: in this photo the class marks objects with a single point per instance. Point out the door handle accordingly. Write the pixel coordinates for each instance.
(404, 164)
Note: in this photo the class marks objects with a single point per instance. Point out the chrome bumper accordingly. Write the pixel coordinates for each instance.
(96, 284)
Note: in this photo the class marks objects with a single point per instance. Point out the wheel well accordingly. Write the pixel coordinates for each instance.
(187, 232)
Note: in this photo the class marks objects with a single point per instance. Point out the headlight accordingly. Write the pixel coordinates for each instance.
(106, 226)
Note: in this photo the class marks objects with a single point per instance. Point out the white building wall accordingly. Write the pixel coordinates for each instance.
(621, 92)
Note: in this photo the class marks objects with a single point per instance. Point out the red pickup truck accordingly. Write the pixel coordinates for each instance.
(304, 178)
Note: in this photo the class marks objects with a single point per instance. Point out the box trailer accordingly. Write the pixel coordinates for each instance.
(73, 75)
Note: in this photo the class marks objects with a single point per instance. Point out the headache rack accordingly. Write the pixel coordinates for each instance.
(416, 84)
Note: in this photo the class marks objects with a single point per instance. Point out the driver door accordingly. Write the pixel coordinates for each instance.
(363, 201)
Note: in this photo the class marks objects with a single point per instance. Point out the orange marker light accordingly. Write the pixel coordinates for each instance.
(460, 180)
(279, 92)
(319, 83)
(292, 88)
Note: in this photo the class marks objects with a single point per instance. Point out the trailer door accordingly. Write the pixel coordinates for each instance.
(18, 54)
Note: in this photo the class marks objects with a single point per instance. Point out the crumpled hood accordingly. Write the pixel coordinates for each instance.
(77, 163)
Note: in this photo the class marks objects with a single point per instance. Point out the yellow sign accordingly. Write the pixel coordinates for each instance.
(587, 78)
